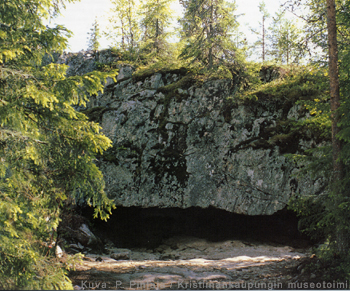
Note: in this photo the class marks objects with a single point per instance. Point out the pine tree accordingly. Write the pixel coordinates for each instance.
(94, 36)
(206, 29)
(342, 231)
(333, 216)
(47, 148)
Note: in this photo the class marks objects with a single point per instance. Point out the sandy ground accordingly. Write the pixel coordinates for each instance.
(188, 263)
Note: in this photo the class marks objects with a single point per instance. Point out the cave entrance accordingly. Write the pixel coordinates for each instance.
(132, 227)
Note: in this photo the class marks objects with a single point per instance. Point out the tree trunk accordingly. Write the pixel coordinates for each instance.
(123, 34)
(156, 42)
(334, 87)
(338, 167)
(263, 38)
(131, 27)
(288, 47)
(210, 56)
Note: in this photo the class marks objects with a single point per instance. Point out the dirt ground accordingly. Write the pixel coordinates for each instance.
(189, 263)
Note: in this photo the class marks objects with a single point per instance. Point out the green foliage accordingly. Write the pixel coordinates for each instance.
(94, 35)
(124, 20)
(313, 43)
(285, 37)
(143, 72)
(308, 87)
(123, 58)
(312, 211)
(142, 29)
(47, 148)
(150, 47)
(331, 212)
(239, 71)
(156, 20)
(292, 83)
(207, 26)
(262, 41)
(328, 265)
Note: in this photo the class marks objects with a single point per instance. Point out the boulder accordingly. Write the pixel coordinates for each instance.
(85, 236)
(120, 254)
(181, 143)
(125, 72)
(75, 248)
(195, 148)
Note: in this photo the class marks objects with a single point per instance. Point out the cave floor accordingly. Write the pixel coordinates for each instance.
(190, 263)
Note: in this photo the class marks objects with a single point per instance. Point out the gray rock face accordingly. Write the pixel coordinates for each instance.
(196, 149)
(88, 61)
(181, 144)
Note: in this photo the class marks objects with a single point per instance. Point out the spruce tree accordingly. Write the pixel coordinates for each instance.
(156, 18)
(94, 36)
(262, 32)
(47, 148)
(207, 26)
(285, 37)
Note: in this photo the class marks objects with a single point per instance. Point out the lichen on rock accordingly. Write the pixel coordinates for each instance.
(182, 143)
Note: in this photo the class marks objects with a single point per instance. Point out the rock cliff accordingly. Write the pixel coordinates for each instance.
(178, 142)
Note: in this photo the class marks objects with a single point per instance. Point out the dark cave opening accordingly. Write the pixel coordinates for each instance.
(136, 227)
